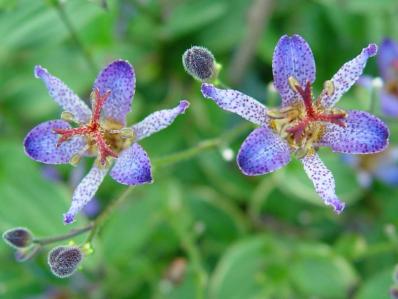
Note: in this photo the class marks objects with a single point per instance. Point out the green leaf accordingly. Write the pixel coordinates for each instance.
(193, 15)
(27, 198)
(377, 286)
(318, 272)
(238, 273)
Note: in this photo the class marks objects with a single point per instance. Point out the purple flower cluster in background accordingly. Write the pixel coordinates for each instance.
(300, 126)
(100, 131)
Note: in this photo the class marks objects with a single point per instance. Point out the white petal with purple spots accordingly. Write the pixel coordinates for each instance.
(363, 134)
(323, 181)
(41, 143)
(236, 102)
(63, 95)
(158, 120)
(85, 191)
(119, 78)
(262, 152)
(132, 167)
(347, 75)
(292, 58)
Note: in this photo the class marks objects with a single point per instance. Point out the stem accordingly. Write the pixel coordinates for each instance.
(259, 197)
(202, 146)
(171, 159)
(101, 219)
(65, 19)
(72, 233)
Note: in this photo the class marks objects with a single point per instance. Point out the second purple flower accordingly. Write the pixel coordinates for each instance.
(301, 125)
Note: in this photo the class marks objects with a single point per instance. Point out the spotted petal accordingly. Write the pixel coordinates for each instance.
(323, 181)
(389, 103)
(347, 75)
(119, 78)
(262, 152)
(85, 191)
(363, 134)
(292, 58)
(63, 95)
(158, 121)
(388, 59)
(236, 102)
(41, 143)
(132, 167)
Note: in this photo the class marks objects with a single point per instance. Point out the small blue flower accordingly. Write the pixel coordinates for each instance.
(388, 68)
(100, 131)
(302, 125)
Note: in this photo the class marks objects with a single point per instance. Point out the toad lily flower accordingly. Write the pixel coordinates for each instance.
(302, 125)
(101, 131)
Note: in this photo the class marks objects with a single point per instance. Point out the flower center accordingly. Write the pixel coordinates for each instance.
(303, 123)
(106, 137)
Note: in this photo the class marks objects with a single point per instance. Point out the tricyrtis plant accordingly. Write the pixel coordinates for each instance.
(301, 125)
(100, 132)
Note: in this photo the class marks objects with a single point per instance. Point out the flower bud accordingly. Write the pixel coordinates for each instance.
(64, 260)
(199, 63)
(24, 254)
(18, 237)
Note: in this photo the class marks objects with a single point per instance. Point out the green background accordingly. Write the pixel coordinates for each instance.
(230, 236)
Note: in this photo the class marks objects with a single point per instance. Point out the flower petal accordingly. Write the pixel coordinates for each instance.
(292, 58)
(41, 143)
(85, 191)
(63, 95)
(158, 121)
(323, 181)
(236, 102)
(119, 78)
(132, 167)
(389, 103)
(363, 134)
(347, 75)
(386, 59)
(262, 152)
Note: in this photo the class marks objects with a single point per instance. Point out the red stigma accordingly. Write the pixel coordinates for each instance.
(312, 115)
(92, 129)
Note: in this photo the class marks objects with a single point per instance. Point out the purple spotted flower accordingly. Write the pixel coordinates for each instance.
(100, 131)
(302, 125)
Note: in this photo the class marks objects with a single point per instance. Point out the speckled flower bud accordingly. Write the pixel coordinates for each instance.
(18, 237)
(199, 63)
(64, 260)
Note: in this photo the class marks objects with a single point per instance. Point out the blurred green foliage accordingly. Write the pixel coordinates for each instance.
(232, 237)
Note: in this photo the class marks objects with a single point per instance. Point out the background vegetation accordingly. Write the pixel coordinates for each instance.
(202, 230)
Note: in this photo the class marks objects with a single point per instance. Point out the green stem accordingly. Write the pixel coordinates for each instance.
(259, 197)
(200, 147)
(101, 219)
(65, 19)
(171, 159)
(71, 234)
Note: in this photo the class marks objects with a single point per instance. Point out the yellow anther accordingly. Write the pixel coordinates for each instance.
(329, 87)
(293, 83)
(68, 116)
(75, 159)
(301, 152)
(275, 114)
(127, 133)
